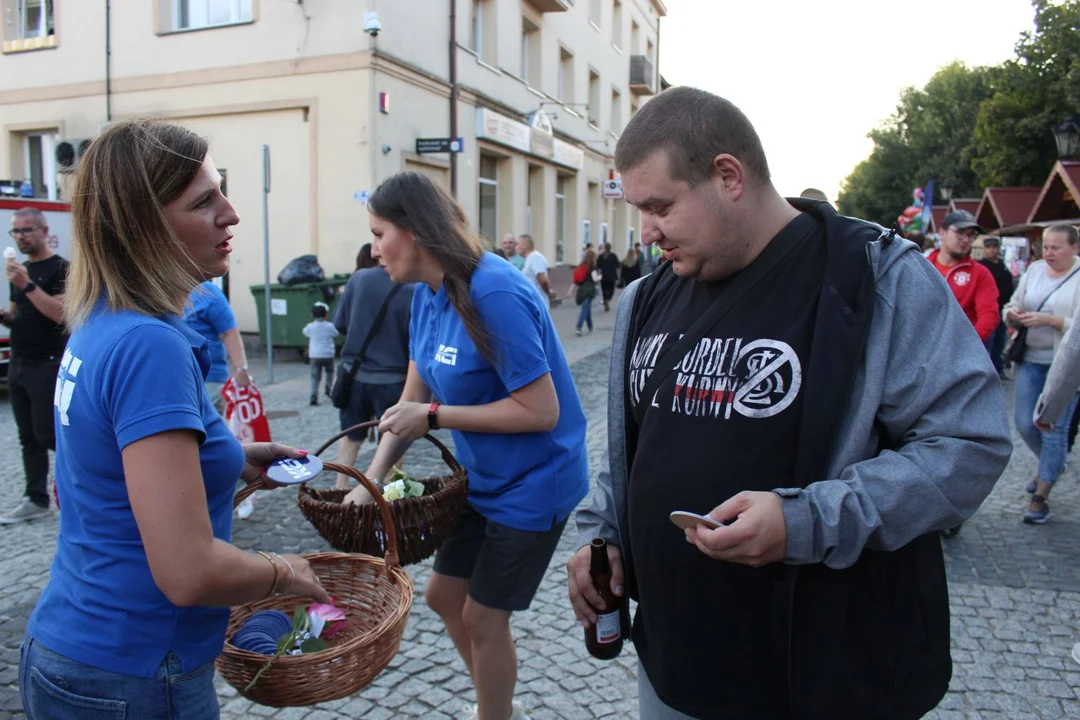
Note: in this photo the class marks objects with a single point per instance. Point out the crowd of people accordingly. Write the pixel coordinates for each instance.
(817, 555)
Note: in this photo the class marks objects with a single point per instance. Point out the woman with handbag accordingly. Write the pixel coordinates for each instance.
(373, 314)
(139, 590)
(584, 289)
(483, 343)
(1041, 310)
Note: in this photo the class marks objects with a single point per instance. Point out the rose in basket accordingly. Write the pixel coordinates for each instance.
(312, 626)
(401, 485)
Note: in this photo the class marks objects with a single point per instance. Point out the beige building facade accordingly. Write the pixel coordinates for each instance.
(545, 87)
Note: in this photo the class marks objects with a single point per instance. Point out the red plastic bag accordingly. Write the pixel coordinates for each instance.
(581, 273)
(244, 412)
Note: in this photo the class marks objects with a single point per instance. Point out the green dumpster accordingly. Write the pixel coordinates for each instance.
(290, 309)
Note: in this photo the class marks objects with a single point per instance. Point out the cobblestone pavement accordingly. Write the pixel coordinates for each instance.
(1015, 593)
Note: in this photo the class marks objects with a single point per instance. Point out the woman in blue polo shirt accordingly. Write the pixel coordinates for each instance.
(139, 590)
(482, 343)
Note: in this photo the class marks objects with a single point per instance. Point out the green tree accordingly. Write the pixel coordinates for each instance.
(1032, 94)
(929, 137)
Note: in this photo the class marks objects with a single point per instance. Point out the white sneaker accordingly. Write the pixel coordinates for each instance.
(518, 712)
(25, 511)
(244, 509)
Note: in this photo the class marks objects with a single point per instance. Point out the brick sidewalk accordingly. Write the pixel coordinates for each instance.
(1015, 592)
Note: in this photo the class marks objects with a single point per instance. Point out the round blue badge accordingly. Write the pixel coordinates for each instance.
(292, 471)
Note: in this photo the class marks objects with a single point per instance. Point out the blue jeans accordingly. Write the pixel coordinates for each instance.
(995, 345)
(54, 686)
(1050, 447)
(585, 316)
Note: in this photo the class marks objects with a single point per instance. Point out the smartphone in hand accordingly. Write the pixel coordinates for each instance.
(687, 520)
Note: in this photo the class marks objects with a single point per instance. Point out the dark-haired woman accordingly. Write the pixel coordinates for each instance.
(482, 342)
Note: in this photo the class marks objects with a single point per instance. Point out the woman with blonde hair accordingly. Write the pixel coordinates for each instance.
(137, 602)
(483, 345)
(1042, 307)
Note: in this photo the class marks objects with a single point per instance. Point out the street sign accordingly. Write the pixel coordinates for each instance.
(439, 145)
(613, 189)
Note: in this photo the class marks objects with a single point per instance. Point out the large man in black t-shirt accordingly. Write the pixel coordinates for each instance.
(777, 373)
(35, 318)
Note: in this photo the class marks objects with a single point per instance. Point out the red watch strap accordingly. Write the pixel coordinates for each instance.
(433, 415)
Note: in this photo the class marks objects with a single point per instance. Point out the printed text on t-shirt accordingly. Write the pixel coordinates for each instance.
(756, 378)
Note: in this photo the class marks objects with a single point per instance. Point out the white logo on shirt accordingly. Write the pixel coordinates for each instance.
(756, 379)
(446, 355)
(65, 385)
(962, 278)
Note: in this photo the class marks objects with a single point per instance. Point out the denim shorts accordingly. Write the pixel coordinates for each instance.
(54, 686)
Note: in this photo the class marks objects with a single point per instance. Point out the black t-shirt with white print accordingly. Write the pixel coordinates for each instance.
(726, 419)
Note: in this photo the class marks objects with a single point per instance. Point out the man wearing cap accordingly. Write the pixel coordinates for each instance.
(971, 283)
(1004, 281)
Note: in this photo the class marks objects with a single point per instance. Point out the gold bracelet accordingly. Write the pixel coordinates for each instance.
(292, 573)
(273, 564)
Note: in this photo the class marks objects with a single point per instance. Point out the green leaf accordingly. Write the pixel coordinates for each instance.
(300, 619)
(312, 645)
(286, 642)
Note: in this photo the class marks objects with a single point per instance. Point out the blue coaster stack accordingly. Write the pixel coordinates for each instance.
(261, 632)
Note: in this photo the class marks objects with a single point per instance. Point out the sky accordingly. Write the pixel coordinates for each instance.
(815, 77)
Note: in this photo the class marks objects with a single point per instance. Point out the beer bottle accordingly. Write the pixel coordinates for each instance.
(604, 640)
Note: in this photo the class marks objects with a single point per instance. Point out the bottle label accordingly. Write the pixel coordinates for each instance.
(608, 628)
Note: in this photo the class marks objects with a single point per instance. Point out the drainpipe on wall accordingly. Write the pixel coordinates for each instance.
(108, 62)
(453, 95)
(373, 111)
(656, 77)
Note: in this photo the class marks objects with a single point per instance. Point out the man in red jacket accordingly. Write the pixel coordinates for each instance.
(971, 283)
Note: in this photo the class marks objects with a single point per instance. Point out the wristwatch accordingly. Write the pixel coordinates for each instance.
(433, 415)
(29, 288)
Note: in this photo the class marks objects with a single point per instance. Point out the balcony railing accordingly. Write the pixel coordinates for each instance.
(642, 76)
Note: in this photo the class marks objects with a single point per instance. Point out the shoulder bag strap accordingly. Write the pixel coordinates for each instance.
(769, 258)
(374, 329)
(1056, 288)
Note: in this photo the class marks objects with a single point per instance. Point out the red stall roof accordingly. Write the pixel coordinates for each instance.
(1059, 198)
(1005, 206)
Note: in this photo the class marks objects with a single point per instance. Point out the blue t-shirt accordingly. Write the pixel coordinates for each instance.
(125, 377)
(210, 315)
(528, 480)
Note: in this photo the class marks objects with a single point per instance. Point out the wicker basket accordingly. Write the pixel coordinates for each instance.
(375, 595)
(421, 523)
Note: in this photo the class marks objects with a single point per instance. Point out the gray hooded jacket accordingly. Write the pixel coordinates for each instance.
(925, 380)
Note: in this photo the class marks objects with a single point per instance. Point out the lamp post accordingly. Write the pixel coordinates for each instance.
(1067, 137)
(946, 191)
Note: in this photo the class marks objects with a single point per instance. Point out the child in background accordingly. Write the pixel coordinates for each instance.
(321, 333)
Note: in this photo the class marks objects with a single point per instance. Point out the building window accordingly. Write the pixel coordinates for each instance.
(476, 26)
(634, 103)
(594, 98)
(482, 39)
(489, 198)
(199, 14)
(635, 38)
(38, 164)
(649, 51)
(28, 25)
(594, 12)
(565, 91)
(616, 25)
(616, 111)
(560, 219)
(530, 52)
